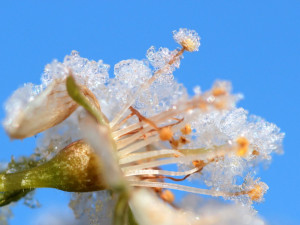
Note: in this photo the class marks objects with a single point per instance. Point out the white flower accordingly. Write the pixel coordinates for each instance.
(152, 123)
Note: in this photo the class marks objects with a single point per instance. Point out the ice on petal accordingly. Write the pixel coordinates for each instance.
(132, 72)
(87, 72)
(40, 112)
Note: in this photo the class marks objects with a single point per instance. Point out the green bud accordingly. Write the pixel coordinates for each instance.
(76, 168)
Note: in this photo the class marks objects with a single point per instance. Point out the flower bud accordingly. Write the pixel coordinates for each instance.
(76, 168)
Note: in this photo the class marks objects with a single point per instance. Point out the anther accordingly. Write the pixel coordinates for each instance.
(218, 91)
(186, 130)
(165, 134)
(243, 145)
(167, 196)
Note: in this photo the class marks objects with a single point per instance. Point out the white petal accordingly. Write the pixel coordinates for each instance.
(49, 108)
(149, 210)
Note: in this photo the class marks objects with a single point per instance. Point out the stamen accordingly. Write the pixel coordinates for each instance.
(138, 145)
(142, 118)
(206, 155)
(141, 132)
(124, 120)
(160, 172)
(164, 153)
(159, 118)
(165, 134)
(170, 178)
(181, 188)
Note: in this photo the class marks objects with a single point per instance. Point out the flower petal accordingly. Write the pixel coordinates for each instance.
(49, 108)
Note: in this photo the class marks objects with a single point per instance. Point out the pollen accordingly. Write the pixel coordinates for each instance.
(256, 193)
(167, 196)
(243, 145)
(186, 130)
(165, 134)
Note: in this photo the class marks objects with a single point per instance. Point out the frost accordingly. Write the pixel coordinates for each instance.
(97, 207)
(161, 58)
(90, 73)
(189, 39)
(19, 100)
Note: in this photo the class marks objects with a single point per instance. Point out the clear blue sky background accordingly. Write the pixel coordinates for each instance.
(254, 44)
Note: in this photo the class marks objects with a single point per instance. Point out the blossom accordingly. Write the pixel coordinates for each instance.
(138, 124)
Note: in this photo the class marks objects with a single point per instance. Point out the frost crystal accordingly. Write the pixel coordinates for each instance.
(189, 39)
(97, 207)
(90, 73)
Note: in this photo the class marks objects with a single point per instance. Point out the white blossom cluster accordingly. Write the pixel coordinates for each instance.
(154, 123)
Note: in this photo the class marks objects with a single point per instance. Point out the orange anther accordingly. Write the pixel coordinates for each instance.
(218, 91)
(199, 163)
(165, 134)
(186, 130)
(243, 145)
(167, 196)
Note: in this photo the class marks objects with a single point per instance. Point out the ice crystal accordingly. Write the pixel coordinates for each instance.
(189, 39)
(97, 207)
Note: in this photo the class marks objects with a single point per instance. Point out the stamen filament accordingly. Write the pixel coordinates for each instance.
(204, 155)
(138, 145)
(164, 153)
(181, 188)
(161, 172)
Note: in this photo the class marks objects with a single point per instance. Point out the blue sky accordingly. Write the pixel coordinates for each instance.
(254, 44)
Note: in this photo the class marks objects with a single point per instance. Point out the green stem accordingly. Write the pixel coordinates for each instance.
(12, 196)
